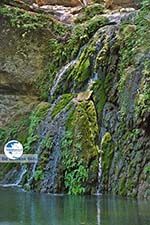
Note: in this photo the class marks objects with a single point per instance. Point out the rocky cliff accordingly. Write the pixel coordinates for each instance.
(90, 119)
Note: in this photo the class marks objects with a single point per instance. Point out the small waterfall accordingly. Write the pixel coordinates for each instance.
(34, 166)
(92, 81)
(99, 175)
(32, 174)
(63, 71)
(60, 75)
(19, 179)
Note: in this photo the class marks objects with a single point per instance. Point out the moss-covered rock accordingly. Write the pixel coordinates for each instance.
(61, 104)
(131, 113)
(37, 116)
(83, 130)
(89, 12)
(98, 107)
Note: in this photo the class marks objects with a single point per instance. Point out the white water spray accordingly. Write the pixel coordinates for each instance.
(18, 181)
(63, 70)
(60, 75)
(99, 174)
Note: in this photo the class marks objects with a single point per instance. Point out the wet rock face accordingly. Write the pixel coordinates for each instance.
(21, 58)
(21, 63)
(126, 156)
(99, 104)
(56, 138)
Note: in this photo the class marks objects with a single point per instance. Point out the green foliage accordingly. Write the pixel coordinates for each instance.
(143, 100)
(46, 142)
(106, 138)
(89, 12)
(107, 149)
(81, 71)
(82, 33)
(57, 57)
(18, 129)
(62, 103)
(122, 186)
(147, 169)
(99, 90)
(38, 175)
(135, 42)
(75, 172)
(36, 117)
(60, 53)
(30, 21)
(21, 19)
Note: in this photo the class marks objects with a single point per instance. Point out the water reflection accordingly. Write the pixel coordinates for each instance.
(98, 211)
(21, 208)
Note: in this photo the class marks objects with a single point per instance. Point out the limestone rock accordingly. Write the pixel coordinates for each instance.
(84, 96)
(21, 63)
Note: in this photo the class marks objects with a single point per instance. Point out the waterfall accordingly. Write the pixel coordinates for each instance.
(63, 71)
(99, 175)
(19, 179)
(34, 166)
(60, 75)
(32, 173)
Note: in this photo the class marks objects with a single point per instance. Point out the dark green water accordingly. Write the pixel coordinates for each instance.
(21, 208)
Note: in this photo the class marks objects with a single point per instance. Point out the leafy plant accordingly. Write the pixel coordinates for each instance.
(147, 169)
(38, 175)
(75, 171)
(36, 117)
(47, 142)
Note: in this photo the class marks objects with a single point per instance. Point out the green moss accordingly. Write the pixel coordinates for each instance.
(85, 129)
(89, 12)
(62, 52)
(100, 95)
(143, 97)
(134, 41)
(56, 58)
(46, 142)
(106, 139)
(80, 147)
(81, 72)
(62, 103)
(81, 34)
(147, 169)
(25, 20)
(18, 130)
(107, 149)
(122, 186)
(38, 175)
(36, 117)
(74, 168)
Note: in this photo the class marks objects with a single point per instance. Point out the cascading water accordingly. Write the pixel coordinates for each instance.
(34, 167)
(60, 75)
(63, 71)
(99, 188)
(32, 173)
(18, 180)
(56, 128)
